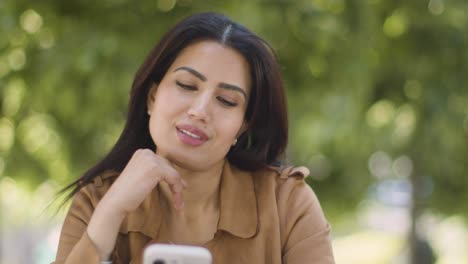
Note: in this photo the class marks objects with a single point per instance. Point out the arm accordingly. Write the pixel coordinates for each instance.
(90, 229)
(306, 232)
(75, 245)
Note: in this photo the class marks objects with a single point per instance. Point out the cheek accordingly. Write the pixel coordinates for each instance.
(229, 126)
(160, 114)
(167, 102)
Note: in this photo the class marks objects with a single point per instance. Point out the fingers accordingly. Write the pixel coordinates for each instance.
(177, 185)
(165, 171)
(178, 201)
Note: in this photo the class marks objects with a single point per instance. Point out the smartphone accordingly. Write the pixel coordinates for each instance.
(176, 254)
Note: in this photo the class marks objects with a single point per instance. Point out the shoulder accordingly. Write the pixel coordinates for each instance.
(85, 201)
(285, 172)
(297, 207)
(285, 178)
(288, 185)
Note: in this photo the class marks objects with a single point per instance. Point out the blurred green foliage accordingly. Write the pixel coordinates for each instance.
(364, 79)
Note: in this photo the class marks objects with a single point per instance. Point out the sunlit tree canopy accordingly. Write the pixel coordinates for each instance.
(376, 89)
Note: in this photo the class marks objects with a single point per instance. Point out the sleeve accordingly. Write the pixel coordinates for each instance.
(75, 246)
(306, 232)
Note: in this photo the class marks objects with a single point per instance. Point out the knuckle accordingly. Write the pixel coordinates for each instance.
(174, 175)
(140, 152)
(149, 151)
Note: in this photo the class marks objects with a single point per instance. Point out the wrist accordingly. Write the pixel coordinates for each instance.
(103, 229)
(109, 210)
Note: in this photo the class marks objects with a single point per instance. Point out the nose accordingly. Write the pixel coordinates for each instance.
(199, 109)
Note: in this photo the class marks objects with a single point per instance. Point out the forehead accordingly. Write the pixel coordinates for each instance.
(217, 62)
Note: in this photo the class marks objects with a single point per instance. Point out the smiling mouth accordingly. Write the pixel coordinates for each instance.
(188, 133)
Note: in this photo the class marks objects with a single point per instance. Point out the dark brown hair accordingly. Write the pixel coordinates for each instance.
(264, 141)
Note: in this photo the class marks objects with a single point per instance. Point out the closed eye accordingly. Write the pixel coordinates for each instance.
(221, 99)
(186, 86)
(226, 102)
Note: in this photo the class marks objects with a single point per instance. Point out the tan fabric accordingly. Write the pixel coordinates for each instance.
(270, 216)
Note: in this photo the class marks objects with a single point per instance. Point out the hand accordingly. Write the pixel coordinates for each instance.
(139, 177)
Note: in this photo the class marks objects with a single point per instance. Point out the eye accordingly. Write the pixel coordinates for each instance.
(226, 102)
(186, 86)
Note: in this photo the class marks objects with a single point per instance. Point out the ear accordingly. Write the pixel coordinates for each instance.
(151, 97)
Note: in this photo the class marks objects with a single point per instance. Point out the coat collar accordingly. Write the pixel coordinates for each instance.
(238, 203)
(238, 207)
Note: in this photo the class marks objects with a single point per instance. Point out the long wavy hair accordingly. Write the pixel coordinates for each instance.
(265, 140)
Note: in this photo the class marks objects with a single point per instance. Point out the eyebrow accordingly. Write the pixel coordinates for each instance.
(220, 85)
(192, 71)
(233, 87)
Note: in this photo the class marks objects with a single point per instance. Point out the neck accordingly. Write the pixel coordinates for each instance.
(202, 192)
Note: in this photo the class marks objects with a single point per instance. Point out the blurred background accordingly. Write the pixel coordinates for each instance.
(378, 103)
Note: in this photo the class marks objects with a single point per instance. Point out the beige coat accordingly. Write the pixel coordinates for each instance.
(270, 216)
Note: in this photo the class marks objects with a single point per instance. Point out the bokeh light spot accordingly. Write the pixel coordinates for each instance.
(457, 17)
(403, 166)
(395, 25)
(450, 237)
(405, 121)
(380, 165)
(17, 59)
(436, 7)
(35, 132)
(46, 38)
(8, 186)
(166, 5)
(59, 169)
(380, 114)
(13, 96)
(7, 134)
(31, 21)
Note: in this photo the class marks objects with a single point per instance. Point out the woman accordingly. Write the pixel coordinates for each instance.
(194, 164)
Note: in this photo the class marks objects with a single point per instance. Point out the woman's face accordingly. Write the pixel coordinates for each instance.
(197, 110)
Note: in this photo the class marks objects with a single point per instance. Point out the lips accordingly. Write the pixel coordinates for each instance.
(191, 135)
